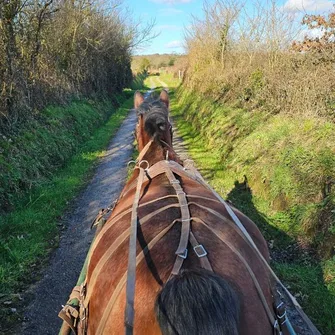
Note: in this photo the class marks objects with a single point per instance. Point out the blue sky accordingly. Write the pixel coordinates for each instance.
(173, 15)
(171, 18)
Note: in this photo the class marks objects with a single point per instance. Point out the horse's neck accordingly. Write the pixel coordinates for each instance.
(155, 154)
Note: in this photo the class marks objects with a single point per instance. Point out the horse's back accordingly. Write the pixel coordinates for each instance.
(106, 275)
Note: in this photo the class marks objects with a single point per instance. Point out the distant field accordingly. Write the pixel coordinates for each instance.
(157, 61)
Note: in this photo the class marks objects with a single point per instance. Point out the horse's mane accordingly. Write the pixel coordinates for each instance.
(198, 302)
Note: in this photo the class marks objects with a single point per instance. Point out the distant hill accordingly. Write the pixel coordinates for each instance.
(156, 61)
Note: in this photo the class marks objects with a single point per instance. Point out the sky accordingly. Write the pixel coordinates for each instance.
(173, 16)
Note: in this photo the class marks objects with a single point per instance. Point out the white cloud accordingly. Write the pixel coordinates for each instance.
(170, 2)
(169, 11)
(308, 5)
(310, 33)
(174, 44)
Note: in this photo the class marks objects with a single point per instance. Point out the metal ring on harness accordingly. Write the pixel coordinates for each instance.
(144, 161)
(131, 162)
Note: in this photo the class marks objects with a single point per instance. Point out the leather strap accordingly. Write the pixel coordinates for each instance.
(250, 241)
(247, 236)
(119, 216)
(75, 294)
(122, 282)
(158, 169)
(69, 315)
(185, 213)
(110, 251)
(144, 151)
(131, 273)
(204, 262)
(200, 252)
(128, 210)
(244, 262)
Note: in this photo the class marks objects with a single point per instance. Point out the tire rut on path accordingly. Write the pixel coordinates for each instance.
(41, 316)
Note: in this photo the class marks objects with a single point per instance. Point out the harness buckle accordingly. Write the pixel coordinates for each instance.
(200, 250)
(280, 305)
(184, 254)
(282, 316)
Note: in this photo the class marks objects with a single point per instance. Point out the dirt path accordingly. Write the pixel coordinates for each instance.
(66, 262)
(155, 81)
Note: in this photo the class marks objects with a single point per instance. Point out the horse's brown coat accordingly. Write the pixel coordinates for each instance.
(155, 269)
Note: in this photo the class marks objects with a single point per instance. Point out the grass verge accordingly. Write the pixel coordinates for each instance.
(29, 232)
(216, 142)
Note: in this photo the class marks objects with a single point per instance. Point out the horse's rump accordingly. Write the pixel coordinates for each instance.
(108, 262)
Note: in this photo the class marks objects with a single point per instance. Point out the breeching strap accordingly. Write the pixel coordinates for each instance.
(131, 273)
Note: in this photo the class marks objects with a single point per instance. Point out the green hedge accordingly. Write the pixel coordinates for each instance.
(289, 162)
(30, 231)
(44, 144)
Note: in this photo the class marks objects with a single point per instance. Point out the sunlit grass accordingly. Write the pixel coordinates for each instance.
(227, 145)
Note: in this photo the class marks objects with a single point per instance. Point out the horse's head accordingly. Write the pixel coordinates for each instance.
(153, 120)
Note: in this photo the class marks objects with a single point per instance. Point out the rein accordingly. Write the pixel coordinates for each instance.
(131, 272)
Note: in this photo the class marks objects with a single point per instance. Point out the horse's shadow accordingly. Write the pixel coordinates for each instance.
(242, 198)
(298, 267)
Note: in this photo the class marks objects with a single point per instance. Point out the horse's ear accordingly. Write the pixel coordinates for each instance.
(164, 97)
(138, 99)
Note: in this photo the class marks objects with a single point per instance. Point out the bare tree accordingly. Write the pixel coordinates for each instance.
(51, 50)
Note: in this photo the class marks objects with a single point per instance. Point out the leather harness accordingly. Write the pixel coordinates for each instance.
(146, 173)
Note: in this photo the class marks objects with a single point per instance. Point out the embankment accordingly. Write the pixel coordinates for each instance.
(278, 170)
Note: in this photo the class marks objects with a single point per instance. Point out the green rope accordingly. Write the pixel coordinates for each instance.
(65, 329)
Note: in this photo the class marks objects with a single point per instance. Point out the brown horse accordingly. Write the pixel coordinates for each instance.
(201, 265)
